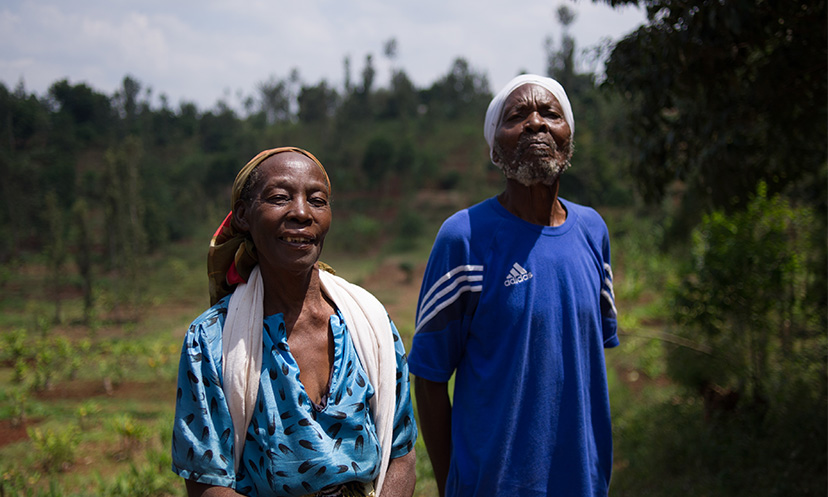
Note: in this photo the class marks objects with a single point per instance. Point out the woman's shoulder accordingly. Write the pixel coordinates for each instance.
(212, 319)
(334, 284)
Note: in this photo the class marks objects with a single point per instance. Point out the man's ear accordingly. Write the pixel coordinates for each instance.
(240, 216)
(495, 156)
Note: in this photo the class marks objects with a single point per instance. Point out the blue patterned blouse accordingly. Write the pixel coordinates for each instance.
(293, 446)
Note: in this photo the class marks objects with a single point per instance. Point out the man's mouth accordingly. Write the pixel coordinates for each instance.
(538, 145)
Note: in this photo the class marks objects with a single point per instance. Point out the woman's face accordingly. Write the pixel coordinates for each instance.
(289, 213)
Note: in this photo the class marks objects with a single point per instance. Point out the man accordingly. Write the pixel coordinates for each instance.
(517, 302)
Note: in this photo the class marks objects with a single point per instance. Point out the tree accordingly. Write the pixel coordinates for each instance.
(83, 256)
(463, 91)
(368, 74)
(723, 95)
(745, 296)
(596, 177)
(317, 103)
(402, 98)
(274, 100)
(55, 249)
(390, 49)
(560, 64)
(83, 114)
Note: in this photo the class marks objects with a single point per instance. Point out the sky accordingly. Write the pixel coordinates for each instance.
(210, 50)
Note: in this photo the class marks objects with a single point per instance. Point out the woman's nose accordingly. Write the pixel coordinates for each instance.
(299, 210)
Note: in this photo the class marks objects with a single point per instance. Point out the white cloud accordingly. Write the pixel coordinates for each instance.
(197, 51)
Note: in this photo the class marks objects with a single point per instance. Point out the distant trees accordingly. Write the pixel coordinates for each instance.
(462, 92)
(101, 181)
(317, 103)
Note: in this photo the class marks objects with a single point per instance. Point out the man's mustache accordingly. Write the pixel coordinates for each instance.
(526, 141)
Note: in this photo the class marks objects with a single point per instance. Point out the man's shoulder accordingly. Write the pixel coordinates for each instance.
(476, 217)
(584, 214)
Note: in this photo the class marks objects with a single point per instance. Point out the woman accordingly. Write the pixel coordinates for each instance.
(294, 382)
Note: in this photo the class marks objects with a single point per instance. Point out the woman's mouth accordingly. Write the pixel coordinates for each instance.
(298, 240)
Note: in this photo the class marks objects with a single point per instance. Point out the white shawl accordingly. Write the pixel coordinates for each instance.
(369, 328)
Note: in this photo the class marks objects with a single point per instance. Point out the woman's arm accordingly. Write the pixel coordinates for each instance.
(195, 489)
(401, 476)
(434, 409)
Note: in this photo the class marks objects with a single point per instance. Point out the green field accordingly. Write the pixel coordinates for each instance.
(87, 409)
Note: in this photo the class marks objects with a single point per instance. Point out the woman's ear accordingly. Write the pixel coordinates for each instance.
(240, 216)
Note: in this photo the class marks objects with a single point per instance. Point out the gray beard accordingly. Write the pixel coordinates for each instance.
(538, 170)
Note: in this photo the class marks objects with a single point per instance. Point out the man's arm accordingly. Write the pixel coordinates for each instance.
(434, 408)
(401, 476)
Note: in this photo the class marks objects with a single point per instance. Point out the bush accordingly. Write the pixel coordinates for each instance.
(744, 296)
(132, 433)
(56, 448)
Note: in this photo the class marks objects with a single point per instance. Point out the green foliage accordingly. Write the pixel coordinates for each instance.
(668, 448)
(131, 432)
(85, 412)
(148, 480)
(701, 82)
(37, 361)
(56, 449)
(744, 295)
(356, 234)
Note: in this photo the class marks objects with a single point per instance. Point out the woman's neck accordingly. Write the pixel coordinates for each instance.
(290, 293)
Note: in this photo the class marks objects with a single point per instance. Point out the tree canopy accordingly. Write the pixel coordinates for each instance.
(724, 94)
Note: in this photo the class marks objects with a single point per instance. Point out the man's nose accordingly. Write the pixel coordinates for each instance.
(535, 122)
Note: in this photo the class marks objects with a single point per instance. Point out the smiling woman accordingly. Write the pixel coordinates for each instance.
(295, 381)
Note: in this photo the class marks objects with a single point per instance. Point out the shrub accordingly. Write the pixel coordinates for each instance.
(743, 296)
(56, 448)
(132, 433)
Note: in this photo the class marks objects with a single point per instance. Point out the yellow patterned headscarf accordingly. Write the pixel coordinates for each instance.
(232, 254)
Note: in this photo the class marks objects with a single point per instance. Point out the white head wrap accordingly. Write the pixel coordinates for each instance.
(495, 111)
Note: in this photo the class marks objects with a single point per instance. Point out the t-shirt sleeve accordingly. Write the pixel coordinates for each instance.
(405, 428)
(609, 318)
(202, 442)
(448, 298)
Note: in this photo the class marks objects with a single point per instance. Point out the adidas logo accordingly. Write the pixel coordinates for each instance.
(517, 275)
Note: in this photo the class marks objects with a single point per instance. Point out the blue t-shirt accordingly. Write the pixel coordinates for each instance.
(293, 446)
(522, 314)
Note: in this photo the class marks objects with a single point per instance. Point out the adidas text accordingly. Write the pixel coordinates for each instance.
(517, 275)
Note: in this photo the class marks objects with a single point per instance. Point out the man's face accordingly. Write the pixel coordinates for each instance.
(532, 143)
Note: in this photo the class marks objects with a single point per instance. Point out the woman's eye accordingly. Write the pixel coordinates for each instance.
(278, 199)
(319, 201)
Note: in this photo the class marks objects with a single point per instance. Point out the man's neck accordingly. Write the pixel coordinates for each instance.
(536, 204)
